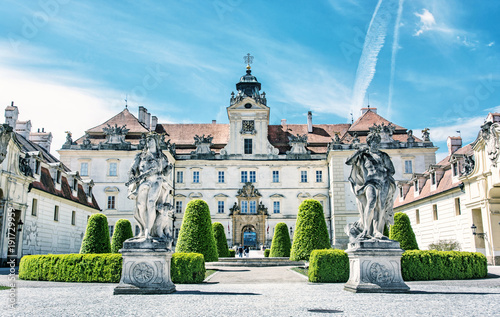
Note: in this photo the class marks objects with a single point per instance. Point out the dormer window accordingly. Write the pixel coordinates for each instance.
(401, 192)
(58, 176)
(455, 168)
(415, 186)
(248, 146)
(90, 191)
(75, 184)
(37, 167)
(433, 178)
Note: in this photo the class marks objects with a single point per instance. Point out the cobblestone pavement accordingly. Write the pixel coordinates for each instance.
(279, 298)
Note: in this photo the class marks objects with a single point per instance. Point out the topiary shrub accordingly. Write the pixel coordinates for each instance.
(123, 231)
(196, 234)
(419, 265)
(96, 239)
(232, 253)
(220, 240)
(102, 268)
(267, 252)
(328, 266)
(310, 231)
(187, 268)
(281, 245)
(401, 231)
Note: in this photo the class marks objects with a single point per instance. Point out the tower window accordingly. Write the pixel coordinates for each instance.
(248, 146)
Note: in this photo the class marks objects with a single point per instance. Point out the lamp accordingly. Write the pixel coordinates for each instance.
(479, 234)
(20, 226)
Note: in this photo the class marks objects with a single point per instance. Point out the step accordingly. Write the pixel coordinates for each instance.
(259, 262)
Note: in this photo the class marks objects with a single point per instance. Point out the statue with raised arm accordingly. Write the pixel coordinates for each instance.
(148, 186)
(373, 185)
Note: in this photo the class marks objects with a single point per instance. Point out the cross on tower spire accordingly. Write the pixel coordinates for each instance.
(248, 59)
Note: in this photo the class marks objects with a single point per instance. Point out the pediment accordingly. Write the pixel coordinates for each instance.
(243, 105)
(277, 196)
(303, 195)
(221, 196)
(195, 195)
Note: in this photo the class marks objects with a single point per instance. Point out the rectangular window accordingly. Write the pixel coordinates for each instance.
(276, 207)
(303, 176)
(73, 217)
(253, 177)
(34, 207)
(276, 176)
(417, 216)
(111, 202)
(248, 146)
(458, 211)
(433, 178)
(220, 207)
(319, 176)
(401, 192)
(253, 207)
(435, 212)
(196, 177)
(408, 167)
(58, 176)
(180, 177)
(178, 207)
(75, 184)
(113, 169)
(84, 169)
(244, 207)
(415, 186)
(244, 176)
(111, 228)
(37, 167)
(220, 177)
(455, 169)
(56, 213)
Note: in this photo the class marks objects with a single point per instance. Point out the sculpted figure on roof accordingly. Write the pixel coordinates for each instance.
(148, 186)
(373, 185)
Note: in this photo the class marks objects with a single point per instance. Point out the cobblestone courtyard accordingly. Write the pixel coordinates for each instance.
(244, 291)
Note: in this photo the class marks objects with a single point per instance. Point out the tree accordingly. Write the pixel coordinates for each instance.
(401, 231)
(220, 240)
(123, 231)
(280, 247)
(96, 239)
(310, 231)
(196, 234)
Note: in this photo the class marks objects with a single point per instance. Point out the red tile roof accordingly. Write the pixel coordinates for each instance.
(122, 118)
(367, 120)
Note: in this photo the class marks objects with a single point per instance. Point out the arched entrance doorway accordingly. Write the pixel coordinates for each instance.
(249, 236)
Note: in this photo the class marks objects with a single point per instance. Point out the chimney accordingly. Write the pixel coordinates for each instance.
(11, 115)
(214, 121)
(147, 120)
(454, 143)
(309, 122)
(283, 122)
(365, 110)
(154, 122)
(23, 128)
(142, 114)
(43, 139)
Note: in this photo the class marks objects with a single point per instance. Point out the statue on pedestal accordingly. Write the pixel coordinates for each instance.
(372, 183)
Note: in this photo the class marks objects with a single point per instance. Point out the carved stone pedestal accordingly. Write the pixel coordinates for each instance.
(375, 267)
(146, 268)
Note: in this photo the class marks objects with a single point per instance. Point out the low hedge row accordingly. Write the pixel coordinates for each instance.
(103, 267)
(330, 266)
(186, 268)
(267, 252)
(232, 253)
(442, 265)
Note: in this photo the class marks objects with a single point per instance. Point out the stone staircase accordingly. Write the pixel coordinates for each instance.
(258, 262)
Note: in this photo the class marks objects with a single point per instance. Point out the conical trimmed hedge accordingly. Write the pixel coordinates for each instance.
(281, 245)
(123, 231)
(311, 232)
(196, 234)
(401, 231)
(220, 240)
(96, 239)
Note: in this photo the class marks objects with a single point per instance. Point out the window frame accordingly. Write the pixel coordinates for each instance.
(34, 207)
(196, 177)
(303, 176)
(178, 206)
(247, 146)
(243, 176)
(113, 172)
(73, 218)
(179, 177)
(220, 206)
(84, 172)
(111, 202)
(220, 177)
(276, 207)
(56, 213)
(276, 176)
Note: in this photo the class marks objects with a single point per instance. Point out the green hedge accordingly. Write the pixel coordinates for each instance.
(104, 268)
(310, 231)
(267, 252)
(280, 247)
(328, 266)
(96, 239)
(187, 268)
(402, 231)
(123, 231)
(220, 239)
(232, 253)
(442, 265)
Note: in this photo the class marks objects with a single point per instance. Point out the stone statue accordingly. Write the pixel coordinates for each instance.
(426, 135)
(372, 183)
(147, 185)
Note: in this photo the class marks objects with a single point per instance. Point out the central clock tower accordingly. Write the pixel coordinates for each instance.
(248, 121)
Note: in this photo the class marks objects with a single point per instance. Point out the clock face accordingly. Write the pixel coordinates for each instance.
(248, 125)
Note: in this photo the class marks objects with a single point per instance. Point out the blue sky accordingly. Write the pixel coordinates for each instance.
(69, 65)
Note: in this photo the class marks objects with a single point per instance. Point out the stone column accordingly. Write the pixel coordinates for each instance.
(375, 267)
(146, 268)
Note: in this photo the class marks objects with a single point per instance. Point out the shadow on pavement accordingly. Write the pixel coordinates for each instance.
(220, 270)
(448, 293)
(212, 293)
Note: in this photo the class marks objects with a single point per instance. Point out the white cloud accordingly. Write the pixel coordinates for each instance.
(490, 44)
(427, 22)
